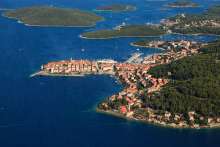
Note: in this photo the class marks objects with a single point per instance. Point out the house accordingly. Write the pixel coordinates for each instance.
(123, 109)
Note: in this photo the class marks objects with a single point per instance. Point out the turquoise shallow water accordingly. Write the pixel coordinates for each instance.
(55, 112)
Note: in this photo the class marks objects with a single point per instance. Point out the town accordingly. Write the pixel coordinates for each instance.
(182, 19)
(137, 82)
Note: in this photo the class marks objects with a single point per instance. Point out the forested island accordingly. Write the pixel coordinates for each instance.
(126, 31)
(52, 16)
(205, 23)
(116, 8)
(182, 4)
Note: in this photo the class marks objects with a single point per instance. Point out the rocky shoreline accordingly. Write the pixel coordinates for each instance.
(156, 123)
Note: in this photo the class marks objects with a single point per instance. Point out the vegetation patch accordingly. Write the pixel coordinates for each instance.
(126, 31)
(194, 86)
(51, 16)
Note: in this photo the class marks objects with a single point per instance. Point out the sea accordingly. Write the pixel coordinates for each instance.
(60, 111)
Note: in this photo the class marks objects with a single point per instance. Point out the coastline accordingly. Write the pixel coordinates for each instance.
(118, 115)
(170, 126)
(173, 33)
(42, 73)
(83, 37)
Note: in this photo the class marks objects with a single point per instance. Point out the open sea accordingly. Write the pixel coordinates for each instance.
(60, 111)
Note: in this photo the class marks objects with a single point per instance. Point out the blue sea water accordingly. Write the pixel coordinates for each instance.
(59, 112)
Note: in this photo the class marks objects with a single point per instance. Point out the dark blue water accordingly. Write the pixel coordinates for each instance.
(59, 112)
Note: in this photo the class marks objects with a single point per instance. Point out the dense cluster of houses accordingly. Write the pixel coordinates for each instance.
(168, 22)
(202, 23)
(137, 82)
(175, 50)
(179, 21)
(71, 67)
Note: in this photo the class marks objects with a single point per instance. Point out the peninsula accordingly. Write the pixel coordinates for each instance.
(150, 44)
(126, 31)
(116, 8)
(183, 4)
(52, 16)
(155, 89)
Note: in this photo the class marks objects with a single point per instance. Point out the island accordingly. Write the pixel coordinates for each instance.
(195, 24)
(116, 8)
(205, 23)
(183, 4)
(52, 16)
(175, 88)
(126, 31)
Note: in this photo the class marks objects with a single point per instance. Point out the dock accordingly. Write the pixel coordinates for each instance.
(135, 58)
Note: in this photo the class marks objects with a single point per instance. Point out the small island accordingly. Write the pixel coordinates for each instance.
(116, 8)
(126, 31)
(183, 4)
(52, 16)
